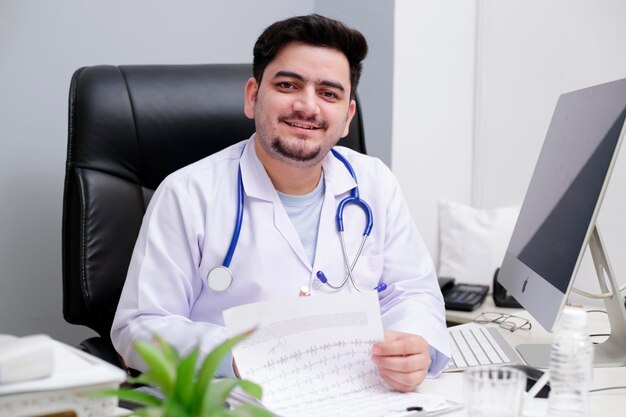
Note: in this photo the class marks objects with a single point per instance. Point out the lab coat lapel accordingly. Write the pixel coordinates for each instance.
(257, 184)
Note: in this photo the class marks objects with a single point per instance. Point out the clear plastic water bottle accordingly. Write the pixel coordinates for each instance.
(571, 366)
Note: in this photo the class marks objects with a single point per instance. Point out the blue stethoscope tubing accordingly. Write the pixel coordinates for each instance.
(220, 277)
(354, 198)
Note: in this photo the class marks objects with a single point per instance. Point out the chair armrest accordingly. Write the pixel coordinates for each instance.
(103, 349)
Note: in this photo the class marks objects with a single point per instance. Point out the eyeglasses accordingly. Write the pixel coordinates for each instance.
(506, 321)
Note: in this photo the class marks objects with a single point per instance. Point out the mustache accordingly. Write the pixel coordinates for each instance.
(320, 124)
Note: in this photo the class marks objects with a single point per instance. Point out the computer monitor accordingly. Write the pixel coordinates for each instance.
(558, 217)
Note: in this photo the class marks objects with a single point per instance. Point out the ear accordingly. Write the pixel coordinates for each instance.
(351, 111)
(249, 96)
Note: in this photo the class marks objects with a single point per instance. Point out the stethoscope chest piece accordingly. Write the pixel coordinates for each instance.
(219, 278)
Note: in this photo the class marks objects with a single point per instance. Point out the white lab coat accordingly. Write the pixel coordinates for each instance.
(189, 225)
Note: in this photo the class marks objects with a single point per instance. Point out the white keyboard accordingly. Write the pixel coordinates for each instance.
(475, 345)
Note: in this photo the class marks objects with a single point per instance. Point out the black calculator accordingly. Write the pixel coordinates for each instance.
(464, 297)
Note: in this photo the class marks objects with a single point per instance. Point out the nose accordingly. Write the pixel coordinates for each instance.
(306, 102)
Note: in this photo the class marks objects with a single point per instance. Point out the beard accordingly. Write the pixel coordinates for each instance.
(297, 153)
(296, 150)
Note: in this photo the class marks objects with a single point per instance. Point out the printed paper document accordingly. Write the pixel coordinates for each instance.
(312, 356)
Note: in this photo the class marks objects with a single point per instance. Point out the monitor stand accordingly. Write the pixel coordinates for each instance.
(611, 352)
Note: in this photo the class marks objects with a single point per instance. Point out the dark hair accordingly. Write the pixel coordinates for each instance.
(314, 30)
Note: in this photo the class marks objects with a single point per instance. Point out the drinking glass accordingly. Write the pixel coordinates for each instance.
(494, 392)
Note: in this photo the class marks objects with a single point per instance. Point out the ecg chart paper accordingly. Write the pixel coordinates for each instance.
(312, 356)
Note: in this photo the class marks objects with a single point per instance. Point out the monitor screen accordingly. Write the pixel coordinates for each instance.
(563, 199)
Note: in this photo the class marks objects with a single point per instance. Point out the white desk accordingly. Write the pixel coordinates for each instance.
(460, 317)
(603, 404)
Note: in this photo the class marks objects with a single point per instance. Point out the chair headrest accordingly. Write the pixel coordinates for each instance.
(143, 122)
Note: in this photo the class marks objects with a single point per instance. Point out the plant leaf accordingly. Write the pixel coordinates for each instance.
(220, 413)
(251, 388)
(218, 394)
(162, 371)
(149, 412)
(186, 371)
(220, 390)
(146, 378)
(174, 409)
(138, 397)
(170, 353)
(208, 369)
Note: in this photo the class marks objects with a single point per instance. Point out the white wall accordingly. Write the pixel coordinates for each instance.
(433, 105)
(475, 85)
(375, 19)
(41, 44)
(529, 52)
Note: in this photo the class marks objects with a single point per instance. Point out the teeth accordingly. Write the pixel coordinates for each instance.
(300, 126)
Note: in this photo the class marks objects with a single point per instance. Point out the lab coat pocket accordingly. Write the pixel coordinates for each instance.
(368, 271)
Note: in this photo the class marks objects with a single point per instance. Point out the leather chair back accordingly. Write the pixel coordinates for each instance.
(129, 127)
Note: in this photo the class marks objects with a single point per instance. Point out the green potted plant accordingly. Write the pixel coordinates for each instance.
(187, 391)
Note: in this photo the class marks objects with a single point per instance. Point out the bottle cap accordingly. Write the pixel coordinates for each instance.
(573, 318)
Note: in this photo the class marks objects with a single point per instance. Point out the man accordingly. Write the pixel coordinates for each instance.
(301, 97)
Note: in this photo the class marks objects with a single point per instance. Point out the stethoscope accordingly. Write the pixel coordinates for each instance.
(220, 278)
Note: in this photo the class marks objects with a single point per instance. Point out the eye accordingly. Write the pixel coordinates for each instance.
(286, 85)
(329, 95)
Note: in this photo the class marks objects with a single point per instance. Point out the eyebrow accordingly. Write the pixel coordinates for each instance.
(297, 76)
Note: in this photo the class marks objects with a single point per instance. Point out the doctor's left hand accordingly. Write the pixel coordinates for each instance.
(402, 360)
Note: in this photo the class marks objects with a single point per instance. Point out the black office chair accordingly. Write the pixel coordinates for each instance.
(129, 127)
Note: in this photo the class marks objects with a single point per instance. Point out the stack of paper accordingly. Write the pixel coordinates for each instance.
(75, 377)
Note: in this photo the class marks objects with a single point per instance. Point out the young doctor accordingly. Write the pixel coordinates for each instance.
(284, 185)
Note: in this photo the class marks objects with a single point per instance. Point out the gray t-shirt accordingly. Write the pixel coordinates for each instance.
(304, 212)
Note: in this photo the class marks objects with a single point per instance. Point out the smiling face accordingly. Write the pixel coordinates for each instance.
(302, 106)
